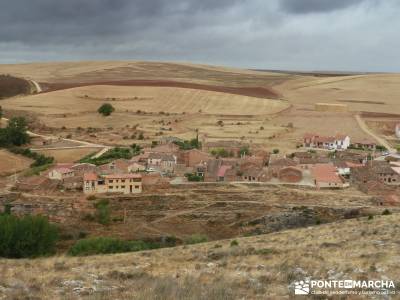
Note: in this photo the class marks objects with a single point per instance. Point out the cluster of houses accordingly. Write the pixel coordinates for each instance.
(167, 164)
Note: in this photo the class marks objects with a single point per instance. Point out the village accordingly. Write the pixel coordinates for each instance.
(320, 162)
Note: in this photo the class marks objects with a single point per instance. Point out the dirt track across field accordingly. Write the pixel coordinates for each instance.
(381, 141)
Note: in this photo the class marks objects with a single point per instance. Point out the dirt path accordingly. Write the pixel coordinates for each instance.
(37, 86)
(101, 152)
(368, 131)
(83, 143)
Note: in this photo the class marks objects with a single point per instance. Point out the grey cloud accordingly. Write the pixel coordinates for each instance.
(287, 34)
(316, 6)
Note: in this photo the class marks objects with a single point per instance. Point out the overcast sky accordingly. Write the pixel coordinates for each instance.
(358, 35)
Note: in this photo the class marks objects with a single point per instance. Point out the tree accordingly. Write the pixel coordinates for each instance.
(29, 236)
(244, 151)
(106, 109)
(15, 134)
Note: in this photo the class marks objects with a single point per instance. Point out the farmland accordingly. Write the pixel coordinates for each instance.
(11, 86)
(11, 163)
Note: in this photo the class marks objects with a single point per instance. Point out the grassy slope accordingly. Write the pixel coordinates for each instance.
(259, 266)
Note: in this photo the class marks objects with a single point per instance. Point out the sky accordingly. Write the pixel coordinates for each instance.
(305, 35)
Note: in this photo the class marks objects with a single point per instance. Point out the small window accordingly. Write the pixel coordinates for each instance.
(111, 181)
(110, 187)
(122, 186)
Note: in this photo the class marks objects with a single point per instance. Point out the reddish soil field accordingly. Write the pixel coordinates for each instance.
(258, 92)
(12, 86)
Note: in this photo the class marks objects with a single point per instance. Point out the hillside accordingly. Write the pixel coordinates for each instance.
(84, 100)
(372, 92)
(94, 71)
(273, 109)
(258, 267)
(11, 86)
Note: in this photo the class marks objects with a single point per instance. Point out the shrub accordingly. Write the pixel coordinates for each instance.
(112, 154)
(36, 170)
(234, 243)
(189, 144)
(244, 151)
(221, 152)
(193, 177)
(275, 151)
(106, 109)
(29, 236)
(196, 239)
(103, 212)
(386, 212)
(381, 148)
(105, 245)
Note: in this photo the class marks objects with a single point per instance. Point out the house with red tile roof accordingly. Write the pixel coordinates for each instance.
(337, 142)
(327, 176)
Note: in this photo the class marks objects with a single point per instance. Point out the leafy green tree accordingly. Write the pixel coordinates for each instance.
(106, 109)
(29, 236)
(15, 134)
(244, 151)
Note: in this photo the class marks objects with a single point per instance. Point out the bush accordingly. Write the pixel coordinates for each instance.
(234, 243)
(105, 245)
(189, 144)
(112, 154)
(221, 152)
(106, 109)
(193, 177)
(386, 212)
(29, 236)
(275, 151)
(244, 151)
(103, 212)
(381, 148)
(196, 239)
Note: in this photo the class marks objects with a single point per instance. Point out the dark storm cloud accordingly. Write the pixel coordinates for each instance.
(312, 6)
(40, 20)
(276, 34)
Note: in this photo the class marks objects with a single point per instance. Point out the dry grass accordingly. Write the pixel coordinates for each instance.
(257, 268)
(68, 155)
(92, 71)
(374, 93)
(11, 163)
(86, 100)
